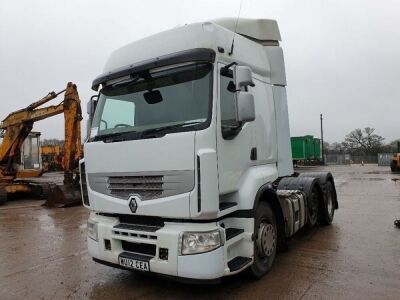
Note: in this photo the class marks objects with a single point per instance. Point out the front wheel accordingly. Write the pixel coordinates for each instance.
(265, 240)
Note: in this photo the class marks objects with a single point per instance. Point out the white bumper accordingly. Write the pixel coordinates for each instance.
(210, 265)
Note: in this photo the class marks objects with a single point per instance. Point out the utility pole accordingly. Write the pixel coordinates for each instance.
(322, 142)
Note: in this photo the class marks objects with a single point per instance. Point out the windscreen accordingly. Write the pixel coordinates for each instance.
(175, 97)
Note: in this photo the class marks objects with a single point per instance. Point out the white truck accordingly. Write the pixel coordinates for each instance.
(188, 169)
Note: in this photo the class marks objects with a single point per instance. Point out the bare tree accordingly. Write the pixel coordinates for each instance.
(363, 141)
(333, 148)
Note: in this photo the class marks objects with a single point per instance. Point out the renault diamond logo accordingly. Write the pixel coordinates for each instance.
(133, 205)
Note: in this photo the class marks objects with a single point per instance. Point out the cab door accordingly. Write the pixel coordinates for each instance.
(234, 140)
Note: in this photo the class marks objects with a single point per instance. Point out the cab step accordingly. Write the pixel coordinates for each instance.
(226, 205)
(232, 232)
(238, 263)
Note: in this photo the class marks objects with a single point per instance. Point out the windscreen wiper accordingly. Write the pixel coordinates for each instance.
(164, 128)
(121, 136)
(111, 137)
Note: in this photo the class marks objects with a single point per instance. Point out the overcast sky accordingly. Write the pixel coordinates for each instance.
(342, 57)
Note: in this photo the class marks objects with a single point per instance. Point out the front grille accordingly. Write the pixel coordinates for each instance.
(147, 249)
(133, 234)
(85, 196)
(146, 187)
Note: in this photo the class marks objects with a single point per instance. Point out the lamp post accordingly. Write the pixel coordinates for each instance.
(322, 142)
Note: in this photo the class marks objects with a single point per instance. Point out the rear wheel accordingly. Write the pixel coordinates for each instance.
(265, 240)
(328, 210)
(312, 205)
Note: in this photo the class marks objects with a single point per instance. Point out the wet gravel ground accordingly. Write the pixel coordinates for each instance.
(43, 253)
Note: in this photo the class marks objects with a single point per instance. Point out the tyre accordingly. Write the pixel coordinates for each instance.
(265, 240)
(327, 209)
(313, 206)
(324, 177)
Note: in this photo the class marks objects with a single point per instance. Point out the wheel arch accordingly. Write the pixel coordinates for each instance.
(324, 177)
(267, 194)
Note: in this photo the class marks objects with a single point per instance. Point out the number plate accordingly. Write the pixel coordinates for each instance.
(134, 264)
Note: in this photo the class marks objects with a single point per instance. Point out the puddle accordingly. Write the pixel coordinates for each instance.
(369, 179)
(378, 172)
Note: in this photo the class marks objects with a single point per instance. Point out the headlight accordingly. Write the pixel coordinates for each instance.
(199, 242)
(92, 229)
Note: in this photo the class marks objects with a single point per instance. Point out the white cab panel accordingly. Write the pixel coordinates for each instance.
(264, 124)
(208, 265)
(285, 164)
(171, 152)
(209, 202)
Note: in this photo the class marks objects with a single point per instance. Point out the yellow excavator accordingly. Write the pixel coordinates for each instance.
(15, 128)
(395, 163)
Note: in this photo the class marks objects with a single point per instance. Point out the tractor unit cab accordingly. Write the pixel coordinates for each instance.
(188, 166)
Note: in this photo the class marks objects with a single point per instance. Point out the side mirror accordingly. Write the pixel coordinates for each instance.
(91, 105)
(90, 108)
(243, 77)
(245, 107)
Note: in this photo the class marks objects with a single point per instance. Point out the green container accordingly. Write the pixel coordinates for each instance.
(317, 148)
(299, 148)
(305, 148)
(309, 144)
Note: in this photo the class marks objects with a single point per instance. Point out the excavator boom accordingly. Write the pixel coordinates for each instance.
(16, 127)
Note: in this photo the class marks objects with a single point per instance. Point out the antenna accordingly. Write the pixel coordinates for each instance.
(234, 32)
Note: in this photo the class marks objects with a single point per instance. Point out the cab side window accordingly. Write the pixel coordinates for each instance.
(227, 104)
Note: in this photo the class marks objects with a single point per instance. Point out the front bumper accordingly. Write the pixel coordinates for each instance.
(204, 266)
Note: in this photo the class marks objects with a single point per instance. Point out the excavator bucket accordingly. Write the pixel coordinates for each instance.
(65, 195)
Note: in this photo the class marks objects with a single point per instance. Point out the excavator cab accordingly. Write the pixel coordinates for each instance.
(31, 162)
(20, 151)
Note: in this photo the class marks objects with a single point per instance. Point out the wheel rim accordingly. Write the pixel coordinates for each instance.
(266, 239)
(329, 204)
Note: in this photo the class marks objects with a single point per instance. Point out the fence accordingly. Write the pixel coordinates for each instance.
(337, 159)
(366, 159)
(382, 159)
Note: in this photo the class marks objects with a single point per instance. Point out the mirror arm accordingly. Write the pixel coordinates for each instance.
(226, 68)
(229, 133)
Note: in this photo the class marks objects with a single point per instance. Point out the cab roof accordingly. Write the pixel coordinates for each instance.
(252, 35)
